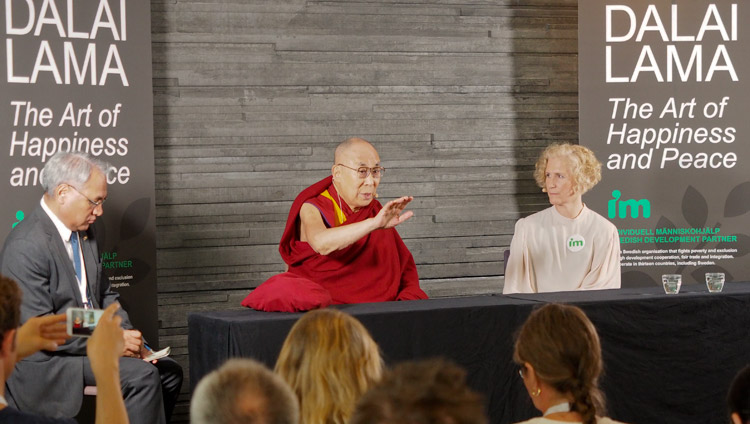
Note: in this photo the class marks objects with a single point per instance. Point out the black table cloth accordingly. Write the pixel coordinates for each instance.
(668, 358)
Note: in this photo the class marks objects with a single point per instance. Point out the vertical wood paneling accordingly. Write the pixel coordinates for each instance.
(251, 97)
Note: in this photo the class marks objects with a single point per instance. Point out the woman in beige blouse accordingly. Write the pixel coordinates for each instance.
(566, 246)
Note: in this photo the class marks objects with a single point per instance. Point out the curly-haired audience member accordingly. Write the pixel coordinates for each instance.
(560, 361)
(424, 392)
(329, 360)
(566, 246)
(739, 397)
(243, 391)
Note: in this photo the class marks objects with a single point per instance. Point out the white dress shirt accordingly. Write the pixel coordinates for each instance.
(65, 234)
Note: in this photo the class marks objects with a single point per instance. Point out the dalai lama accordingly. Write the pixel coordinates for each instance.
(340, 243)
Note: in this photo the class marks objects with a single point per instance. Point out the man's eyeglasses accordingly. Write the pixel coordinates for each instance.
(363, 171)
(91, 202)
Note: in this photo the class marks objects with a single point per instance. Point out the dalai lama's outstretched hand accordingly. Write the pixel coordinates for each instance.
(391, 215)
(325, 240)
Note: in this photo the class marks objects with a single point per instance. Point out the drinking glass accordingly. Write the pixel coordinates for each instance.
(715, 281)
(672, 283)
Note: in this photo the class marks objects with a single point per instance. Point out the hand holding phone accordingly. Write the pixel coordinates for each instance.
(82, 322)
(40, 333)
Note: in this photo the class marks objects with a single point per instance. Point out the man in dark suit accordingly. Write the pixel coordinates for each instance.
(54, 257)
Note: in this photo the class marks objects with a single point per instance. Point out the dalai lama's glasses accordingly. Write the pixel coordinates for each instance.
(363, 171)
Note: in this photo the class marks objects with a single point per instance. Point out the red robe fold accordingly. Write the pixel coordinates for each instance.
(376, 268)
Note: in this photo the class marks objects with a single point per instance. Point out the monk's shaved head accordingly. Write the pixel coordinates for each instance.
(350, 156)
(346, 146)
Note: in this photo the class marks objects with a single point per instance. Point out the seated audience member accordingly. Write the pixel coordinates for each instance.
(567, 246)
(739, 398)
(340, 244)
(243, 391)
(560, 361)
(47, 333)
(425, 392)
(329, 360)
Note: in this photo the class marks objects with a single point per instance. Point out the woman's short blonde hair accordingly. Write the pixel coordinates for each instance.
(585, 169)
(329, 360)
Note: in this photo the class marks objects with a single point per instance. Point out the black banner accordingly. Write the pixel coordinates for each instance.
(77, 76)
(664, 96)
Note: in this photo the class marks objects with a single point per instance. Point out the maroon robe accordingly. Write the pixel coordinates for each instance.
(378, 267)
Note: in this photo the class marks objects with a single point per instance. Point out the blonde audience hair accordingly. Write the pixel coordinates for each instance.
(329, 360)
(562, 345)
(586, 170)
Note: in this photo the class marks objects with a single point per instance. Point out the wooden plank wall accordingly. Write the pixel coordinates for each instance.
(251, 97)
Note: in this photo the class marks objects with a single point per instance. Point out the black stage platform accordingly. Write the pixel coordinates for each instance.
(668, 359)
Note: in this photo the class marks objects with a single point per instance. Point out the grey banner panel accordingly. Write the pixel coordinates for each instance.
(664, 94)
(77, 76)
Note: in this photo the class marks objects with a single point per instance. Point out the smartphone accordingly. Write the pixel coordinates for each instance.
(81, 322)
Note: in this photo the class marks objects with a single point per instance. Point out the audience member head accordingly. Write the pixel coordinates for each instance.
(559, 354)
(739, 397)
(75, 186)
(329, 360)
(425, 392)
(357, 189)
(584, 168)
(243, 391)
(10, 318)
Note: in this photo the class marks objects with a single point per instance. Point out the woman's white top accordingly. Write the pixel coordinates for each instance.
(550, 253)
